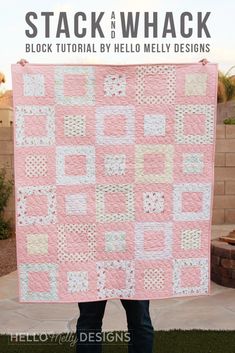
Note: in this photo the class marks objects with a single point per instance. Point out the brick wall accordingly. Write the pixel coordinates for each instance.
(7, 161)
(224, 195)
(225, 110)
(6, 117)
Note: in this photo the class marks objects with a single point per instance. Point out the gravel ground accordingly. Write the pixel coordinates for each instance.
(7, 255)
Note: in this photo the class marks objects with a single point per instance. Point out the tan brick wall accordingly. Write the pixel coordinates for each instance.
(224, 190)
(6, 116)
(225, 110)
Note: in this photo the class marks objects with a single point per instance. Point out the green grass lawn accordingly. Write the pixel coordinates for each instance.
(173, 341)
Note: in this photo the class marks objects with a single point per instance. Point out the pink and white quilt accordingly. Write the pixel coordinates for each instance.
(114, 176)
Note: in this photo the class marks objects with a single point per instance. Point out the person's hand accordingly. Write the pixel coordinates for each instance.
(22, 62)
(204, 61)
(2, 78)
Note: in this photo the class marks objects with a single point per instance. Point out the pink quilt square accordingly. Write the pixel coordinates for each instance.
(39, 166)
(194, 124)
(37, 205)
(35, 125)
(76, 242)
(156, 278)
(74, 85)
(39, 281)
(190, 277)
(154, 124)
(192, 201)
(75, 125)
(75, 165)
(190, 239)
(115, 278)
(115, 125)
(154, 240)
(193, 163)
(121, 91)
(77, 280)
(158, 81)
(76, 204)
(191, 88)
(154, 163)
(115, 241)
(35, 86)
(86, 234)
(115, 202)
(37, 245)
(160, 209)
(115, 165)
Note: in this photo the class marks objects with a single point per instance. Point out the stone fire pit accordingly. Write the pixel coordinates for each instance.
(223, 260)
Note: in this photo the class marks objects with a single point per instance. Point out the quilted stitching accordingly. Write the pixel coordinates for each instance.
(114, 180)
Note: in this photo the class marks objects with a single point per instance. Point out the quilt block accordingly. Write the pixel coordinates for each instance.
(114, 176)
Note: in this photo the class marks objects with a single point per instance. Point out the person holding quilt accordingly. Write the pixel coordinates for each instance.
(89, 323)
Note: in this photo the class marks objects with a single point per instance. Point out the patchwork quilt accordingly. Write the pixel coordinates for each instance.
(114, 176)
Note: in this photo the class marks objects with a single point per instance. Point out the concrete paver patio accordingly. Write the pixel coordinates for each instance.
(214, 311)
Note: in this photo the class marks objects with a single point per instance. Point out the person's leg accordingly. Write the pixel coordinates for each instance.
(139, 326)
(90, 322)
